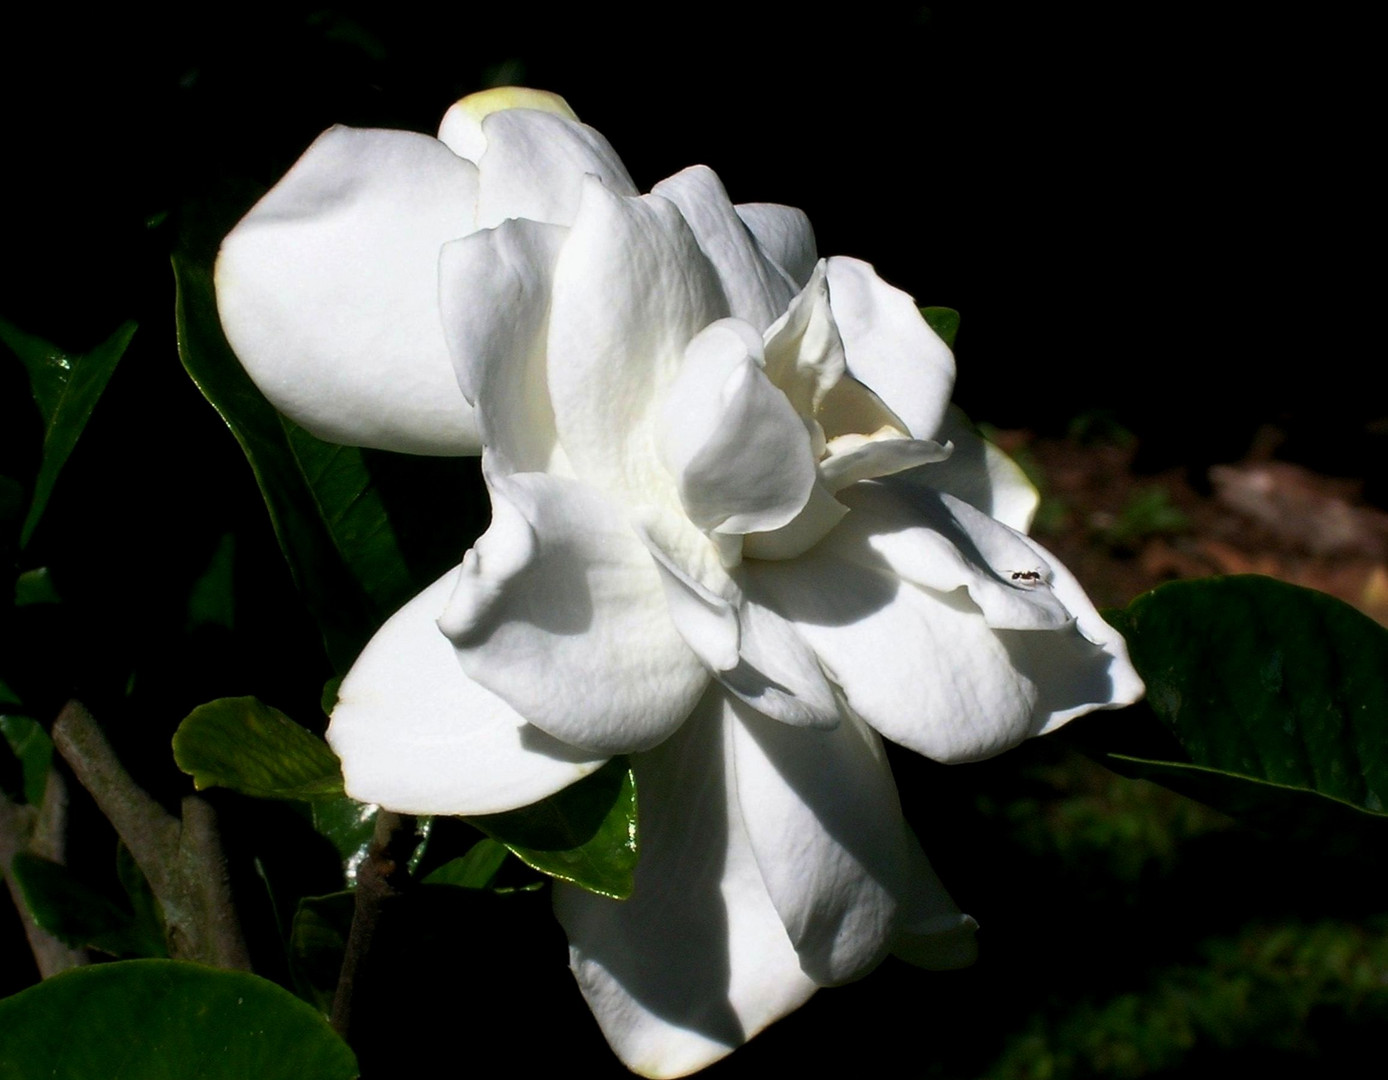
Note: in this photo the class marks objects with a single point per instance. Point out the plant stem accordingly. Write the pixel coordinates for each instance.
(42, 831)
(379, 877)
(182, 861)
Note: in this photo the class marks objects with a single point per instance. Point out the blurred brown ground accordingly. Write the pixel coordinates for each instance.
(1123, 532)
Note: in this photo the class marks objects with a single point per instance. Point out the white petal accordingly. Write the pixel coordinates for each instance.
(842, 868)
(559, 610)
(739, 453)
(921, 662)
(980, 474)
(785, 236)
(417, 736)
(631, 289)
(804, 352)
(535, 163)
(494, 294)
(758, 290)
(753, 652)
(922, 668)
(328, 291)
(813, 523)
(890, 347)
(461, 127)
(935, 540)
(852, 459)
(1112, 680)
(696, 962)
(778, 674)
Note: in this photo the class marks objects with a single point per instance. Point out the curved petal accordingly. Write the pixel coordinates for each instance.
(1111, 683)
(494, 296)
(942, 543)
(417, 735)
(461, 127)
(559, 610)
(804, 351)
(853, 458)
(696, 961)
(534, 166)
(784, 235)
(631, 289)
(932, 646)
(328, 291)
(890, 347)
(738, 452)
(825, 825)
(980, 474)
(758, 290)
(753, 652)
(922, 668)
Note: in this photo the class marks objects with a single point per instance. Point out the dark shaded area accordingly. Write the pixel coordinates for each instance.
(1146, 209)
(1142, 210)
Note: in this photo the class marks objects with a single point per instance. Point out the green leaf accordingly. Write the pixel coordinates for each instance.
(1266, 688)
(349, 826)
(242, 744)
(212, 601)
(35, 587)
(66, 388)
(944, 321)
(585, 834)
(350, 506)
(336, 599)
(33, 748)
(79, 915)
(166, 1020)
(475, 870)
(328, 699)
(317, 941)
(148, 915)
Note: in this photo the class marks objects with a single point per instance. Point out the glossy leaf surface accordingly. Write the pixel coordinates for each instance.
(586, 834)
(475, 870)
(166, 1020)
(1266, 684)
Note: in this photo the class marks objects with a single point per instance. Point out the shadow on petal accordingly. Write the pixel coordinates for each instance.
(697, 960)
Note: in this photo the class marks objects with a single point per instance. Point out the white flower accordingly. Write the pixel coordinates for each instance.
(737, 533)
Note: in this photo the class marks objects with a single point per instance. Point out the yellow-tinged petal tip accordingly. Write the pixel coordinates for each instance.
(485, 102)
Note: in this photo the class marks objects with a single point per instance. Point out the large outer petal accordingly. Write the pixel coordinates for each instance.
(843, 870)
(758, 289)
(559, 609)
(328, 291)
(890, 347)
(417, 735)
(903, 626)
(631, 289)
(697, 961)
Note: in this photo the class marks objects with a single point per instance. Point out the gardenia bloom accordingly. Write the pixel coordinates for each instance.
(737, 534)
